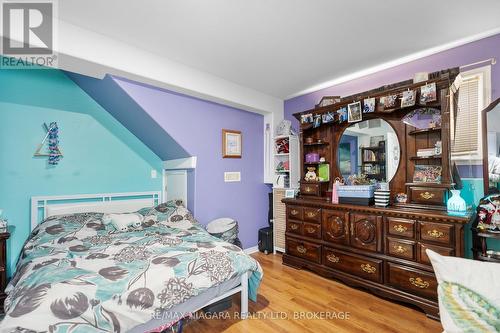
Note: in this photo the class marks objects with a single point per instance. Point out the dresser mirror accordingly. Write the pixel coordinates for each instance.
(369, 147)
(491, 147)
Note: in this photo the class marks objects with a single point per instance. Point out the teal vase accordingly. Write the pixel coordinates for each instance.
(456, 204)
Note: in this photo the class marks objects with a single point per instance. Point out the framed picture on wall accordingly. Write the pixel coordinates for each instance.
(231, 144)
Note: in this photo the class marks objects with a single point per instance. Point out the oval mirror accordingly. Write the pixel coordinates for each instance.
(370, 147)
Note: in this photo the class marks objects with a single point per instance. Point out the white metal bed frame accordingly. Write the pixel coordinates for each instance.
(44, 206)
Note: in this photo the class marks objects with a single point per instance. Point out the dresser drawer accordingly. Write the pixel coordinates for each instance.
(367, 268)
(294, 227)
(305, 250)
(425, 195)
(294, 212)
(401, 227)
(400, 248)
(412, 280)
(312, 215)
(311, 230)
(310, 189)
(436, 232)
(335, 226)
(422, 256)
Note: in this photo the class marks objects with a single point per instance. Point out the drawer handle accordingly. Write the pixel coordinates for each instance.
(368, 268)
(400, 228)
(399, 249)
(333, 258)
(419, 283)
(308, 189)
(311, 214)
(294, 226)
(301, 249)
(310, 230)
(435, 233)
(427, 195)
(294, 212)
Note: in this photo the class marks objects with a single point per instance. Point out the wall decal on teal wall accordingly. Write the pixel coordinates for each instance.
(54, 153)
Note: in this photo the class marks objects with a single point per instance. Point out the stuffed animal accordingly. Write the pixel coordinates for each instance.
(122, 222)
(311, 174)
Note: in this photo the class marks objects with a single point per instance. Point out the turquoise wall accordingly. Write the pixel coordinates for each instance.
(100, 155)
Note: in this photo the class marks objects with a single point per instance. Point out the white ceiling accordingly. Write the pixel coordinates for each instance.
(282, 47)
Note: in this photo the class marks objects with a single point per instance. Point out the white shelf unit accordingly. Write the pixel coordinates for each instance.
(292, 158)
(293, 173)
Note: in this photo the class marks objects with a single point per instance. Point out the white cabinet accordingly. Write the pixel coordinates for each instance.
(286, 176)
(286, 161)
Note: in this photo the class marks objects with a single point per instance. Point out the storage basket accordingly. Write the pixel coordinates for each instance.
(356, 191)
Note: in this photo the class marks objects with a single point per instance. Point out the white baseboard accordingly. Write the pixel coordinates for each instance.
(251, 250)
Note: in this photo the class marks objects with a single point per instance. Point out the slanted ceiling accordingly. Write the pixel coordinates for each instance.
(120, 105)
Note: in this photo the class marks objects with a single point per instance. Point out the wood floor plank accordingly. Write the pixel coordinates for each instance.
(288, 295)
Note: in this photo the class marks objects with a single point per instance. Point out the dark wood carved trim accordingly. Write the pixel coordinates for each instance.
(431, 216)
(484, 125)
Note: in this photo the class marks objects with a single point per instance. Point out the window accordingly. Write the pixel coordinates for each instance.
(474, 95)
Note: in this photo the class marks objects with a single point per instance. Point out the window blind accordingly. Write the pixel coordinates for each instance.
(467, 126)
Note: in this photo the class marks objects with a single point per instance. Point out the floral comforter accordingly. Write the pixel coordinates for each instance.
(77, 274)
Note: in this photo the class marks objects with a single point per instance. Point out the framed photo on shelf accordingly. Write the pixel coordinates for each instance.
(317, 121)
(369, 105)
(427, 174)
(306, 118)
(428, 93)
(409, 98)
(354, 112)
(342, 112)
(231, 144)
(328, 117)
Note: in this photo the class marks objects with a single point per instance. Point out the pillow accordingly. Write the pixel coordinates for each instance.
(163, 207)
(122, 222)
(467, 290)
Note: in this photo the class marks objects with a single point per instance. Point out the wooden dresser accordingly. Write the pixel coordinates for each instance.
(380, 249)
(3, 267)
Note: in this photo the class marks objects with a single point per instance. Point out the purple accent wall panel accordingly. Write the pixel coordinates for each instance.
(197, 125)
(462, 55)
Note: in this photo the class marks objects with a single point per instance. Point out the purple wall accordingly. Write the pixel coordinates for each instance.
(466, 54)
(197, 126)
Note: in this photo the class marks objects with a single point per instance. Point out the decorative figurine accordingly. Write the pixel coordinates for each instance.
(311, 174)
(401, 198)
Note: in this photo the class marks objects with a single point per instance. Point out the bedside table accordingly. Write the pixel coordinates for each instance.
(4, 235)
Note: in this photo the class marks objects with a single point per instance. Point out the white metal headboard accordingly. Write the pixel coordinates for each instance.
(45, 206)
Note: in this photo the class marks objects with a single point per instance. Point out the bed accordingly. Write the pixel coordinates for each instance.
(78, 274)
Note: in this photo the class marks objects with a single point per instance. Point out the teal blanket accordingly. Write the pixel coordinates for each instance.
(77, 274)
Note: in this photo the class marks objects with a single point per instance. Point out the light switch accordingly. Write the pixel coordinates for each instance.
(154, 174)
(233, 176)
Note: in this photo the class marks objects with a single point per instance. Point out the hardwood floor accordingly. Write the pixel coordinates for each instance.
(287, 292)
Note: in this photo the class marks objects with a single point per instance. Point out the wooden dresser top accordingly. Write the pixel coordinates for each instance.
(393, 211)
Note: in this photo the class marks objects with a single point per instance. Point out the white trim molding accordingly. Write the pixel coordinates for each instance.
(251, 250)
(180, 163)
